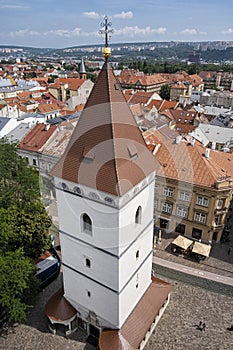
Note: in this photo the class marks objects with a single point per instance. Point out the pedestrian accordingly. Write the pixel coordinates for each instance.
(229, 251)
(203, 327)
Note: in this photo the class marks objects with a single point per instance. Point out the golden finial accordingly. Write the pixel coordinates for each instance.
(106, 31)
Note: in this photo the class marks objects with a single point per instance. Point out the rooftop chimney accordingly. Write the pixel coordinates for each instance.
(178, 139)
(192, 142)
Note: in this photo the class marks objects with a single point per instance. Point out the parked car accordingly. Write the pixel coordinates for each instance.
(48, 267)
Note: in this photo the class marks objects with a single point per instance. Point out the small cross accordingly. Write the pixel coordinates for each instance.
(106, 31)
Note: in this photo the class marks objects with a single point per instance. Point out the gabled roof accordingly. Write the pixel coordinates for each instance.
(188, 163)
(37, 137)
(106, 150)
(73, 83)
(48, 108)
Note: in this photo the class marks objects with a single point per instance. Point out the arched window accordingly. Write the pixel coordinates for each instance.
(86, 223)
(138, 215)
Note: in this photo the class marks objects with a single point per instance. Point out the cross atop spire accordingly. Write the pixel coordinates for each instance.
(106, 31)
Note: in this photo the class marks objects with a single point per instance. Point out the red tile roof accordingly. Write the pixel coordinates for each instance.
(58, 309)
(138, 323)
(73, 83)
(48, 108)
(188, 163)
(36, 137)
(106, 130)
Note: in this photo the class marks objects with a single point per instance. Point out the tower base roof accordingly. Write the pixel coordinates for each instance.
(136, 327)
(58, 309)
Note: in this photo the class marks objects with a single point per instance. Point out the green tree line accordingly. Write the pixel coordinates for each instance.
(24, 225)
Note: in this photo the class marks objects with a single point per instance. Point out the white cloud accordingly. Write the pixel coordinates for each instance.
(189, 31)
(136, 31)
(65, 33)
(23, 32)
(228, 31)
(13, 7)
(92, 15)
(124, 15)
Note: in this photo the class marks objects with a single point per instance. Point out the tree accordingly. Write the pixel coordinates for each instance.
(165, 92)
(17, 286)
(25, 228)
(24, 225)
(18, 183)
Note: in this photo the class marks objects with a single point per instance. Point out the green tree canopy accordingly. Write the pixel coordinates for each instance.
(165, 92)
(24, 226)
(18, 286)
(18, 183)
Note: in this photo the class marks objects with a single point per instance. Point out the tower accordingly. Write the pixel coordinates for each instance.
(105, 194)
(82, 70)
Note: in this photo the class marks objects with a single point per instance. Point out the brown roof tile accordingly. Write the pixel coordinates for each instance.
(73, 83)
(106, 128)
(138, 323)
(36, 137)
(188, 163)
(58, 309)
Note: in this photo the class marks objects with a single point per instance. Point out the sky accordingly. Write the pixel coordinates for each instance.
(65, 23)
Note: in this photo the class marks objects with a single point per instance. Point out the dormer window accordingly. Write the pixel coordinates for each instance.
(133, 153)
(88, 154)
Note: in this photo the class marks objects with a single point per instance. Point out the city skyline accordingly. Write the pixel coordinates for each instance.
(58, 24)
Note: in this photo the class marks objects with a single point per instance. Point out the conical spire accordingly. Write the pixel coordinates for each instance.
(82, 70)
(106, 151)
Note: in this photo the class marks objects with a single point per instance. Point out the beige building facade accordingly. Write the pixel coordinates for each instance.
(194, 188)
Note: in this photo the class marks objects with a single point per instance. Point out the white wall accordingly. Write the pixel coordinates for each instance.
(129, 230)
(115, 231)
(104, 267)
(128, 263)
(102, 301)
(131, 295)
(104, 219)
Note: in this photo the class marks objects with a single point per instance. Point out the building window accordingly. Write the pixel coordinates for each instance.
(156, 188)
(34, 161)
(200, 217)
(184, 196)
(137, 254)
(88, 262)
(86, 223)
(138, 215)
(155, 203)
(218, 220)
(220, 204)
(196, 233)
(203, 201)
(168, 192)
(180, 228)
(182, 212)
(166, 207)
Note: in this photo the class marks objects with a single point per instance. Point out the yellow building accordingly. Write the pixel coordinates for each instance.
(194, 187)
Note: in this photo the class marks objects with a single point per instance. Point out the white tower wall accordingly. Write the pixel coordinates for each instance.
(118, 252)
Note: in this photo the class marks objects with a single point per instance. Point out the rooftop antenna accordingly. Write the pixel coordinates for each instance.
(106, 31)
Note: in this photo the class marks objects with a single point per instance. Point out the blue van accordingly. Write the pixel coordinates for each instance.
(48, 267)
